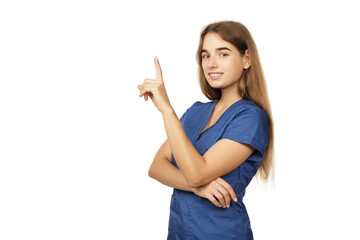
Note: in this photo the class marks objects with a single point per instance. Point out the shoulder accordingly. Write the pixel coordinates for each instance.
(249, 124)
(196, 110)
(199, 106)
(249, 109)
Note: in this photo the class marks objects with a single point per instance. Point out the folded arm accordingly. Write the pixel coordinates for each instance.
(199, 170)
(219, 192)
(165, 172)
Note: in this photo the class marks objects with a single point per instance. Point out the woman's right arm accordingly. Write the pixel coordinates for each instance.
(165, 172)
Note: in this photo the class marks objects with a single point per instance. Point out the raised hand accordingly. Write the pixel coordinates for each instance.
(155, 89)
(219, 192)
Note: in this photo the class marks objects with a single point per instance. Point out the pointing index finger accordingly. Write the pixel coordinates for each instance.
(158, 69)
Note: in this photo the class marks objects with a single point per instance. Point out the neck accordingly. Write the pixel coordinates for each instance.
(229, 96)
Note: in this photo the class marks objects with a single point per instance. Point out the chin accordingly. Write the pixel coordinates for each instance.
(216, 85)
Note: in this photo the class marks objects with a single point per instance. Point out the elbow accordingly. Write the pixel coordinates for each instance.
(151, 172)
(194, 184)
(195, 181)
(196, 177)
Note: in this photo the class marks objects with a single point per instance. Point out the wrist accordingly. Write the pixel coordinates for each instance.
(168, 111)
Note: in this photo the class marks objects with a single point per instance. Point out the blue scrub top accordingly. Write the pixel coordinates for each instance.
(193, 217)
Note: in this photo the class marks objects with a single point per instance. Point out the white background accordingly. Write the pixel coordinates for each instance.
(76, 141)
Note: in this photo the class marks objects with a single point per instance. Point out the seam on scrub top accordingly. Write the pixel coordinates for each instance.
(240, 137)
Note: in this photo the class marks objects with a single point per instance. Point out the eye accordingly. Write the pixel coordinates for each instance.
(205, 56)
(224, 54)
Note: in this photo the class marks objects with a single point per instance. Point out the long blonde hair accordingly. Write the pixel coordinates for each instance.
(252, 84)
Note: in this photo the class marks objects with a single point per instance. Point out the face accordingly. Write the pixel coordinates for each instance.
(222, 63)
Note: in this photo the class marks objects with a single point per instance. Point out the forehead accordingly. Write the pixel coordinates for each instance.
(213, 41)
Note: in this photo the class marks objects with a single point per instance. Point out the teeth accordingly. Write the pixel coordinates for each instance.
(215, 74)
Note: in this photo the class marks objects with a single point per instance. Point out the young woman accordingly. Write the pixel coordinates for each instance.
(216, 148)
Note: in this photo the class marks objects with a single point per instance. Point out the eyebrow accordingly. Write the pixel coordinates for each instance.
(218, 49)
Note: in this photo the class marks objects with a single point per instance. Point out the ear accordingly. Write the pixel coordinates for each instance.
(247, 61)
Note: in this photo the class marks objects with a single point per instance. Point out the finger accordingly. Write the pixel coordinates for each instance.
(226, 195)
(140, 87)
(220, 198)
(147, 80)
(150, 87)
(158, 69)
(228, 187)
(147, 89)
(150, 84)
(213, 200)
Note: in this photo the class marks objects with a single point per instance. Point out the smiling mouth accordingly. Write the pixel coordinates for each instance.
(215, 76)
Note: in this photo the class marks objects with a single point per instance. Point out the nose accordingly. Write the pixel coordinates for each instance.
(212, 64)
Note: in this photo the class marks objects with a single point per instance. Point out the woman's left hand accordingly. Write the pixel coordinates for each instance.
(155, 89)
(219, 192)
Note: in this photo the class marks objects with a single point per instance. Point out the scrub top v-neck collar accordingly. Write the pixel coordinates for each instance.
(206, 119)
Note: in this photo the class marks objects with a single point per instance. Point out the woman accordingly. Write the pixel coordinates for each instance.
(216, 148)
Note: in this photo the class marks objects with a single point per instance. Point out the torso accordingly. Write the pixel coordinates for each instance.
(194, 217)
(215, 115)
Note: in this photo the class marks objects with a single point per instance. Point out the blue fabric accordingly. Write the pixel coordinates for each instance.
(193, 217)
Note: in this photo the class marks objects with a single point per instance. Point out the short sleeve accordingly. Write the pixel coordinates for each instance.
(250, 126)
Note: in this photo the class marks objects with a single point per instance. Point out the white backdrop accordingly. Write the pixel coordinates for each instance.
(76, 141)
